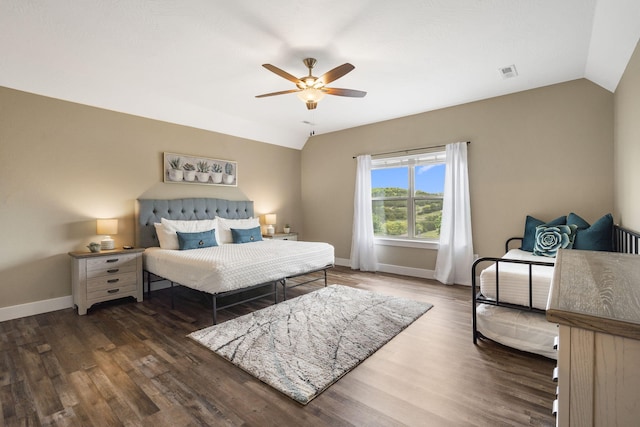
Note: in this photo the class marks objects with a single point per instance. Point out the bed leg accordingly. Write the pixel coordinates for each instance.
(325, 277)
(284, 289)
(172, 302)
(146, 279)
(275, 292)
(214, 300)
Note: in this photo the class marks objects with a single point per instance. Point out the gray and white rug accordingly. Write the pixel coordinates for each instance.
(303, 345)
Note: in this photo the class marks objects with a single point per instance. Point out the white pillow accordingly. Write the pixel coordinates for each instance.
(166, 230)
(225, 225)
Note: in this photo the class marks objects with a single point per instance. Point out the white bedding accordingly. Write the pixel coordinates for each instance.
(234, 266)
(514, 280)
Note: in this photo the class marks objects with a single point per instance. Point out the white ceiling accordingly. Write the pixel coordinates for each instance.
(198, 62)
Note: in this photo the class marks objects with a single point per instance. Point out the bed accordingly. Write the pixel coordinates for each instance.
(509, 295)
(226, 268)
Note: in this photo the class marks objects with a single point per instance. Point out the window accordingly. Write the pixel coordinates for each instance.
(407, 195)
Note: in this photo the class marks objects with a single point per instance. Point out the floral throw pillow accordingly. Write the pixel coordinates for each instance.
(551, 238)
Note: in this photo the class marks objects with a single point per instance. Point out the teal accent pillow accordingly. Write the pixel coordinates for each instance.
(201, 239)
(549, 239)
(595, 237)
(529, 237)
(246, 235)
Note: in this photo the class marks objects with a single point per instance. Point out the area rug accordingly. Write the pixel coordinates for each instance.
(303, 345)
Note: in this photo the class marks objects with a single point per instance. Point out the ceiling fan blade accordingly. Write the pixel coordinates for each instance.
(283, 92)
(344, 92)
(281, 73)
(336, 73)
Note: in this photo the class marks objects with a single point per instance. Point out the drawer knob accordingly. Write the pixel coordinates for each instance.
(113, 280)
(113, 291)
(113, 270)
(112, 260)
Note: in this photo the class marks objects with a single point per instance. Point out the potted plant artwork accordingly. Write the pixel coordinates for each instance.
(189, 172)
(216, 173)
(175, 173)
(203, 171)
(229, 176)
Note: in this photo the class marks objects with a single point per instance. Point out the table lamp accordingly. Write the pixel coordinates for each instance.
(270, 220)
(106, 228)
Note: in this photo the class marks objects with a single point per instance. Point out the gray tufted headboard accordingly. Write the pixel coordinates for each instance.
(150, 211)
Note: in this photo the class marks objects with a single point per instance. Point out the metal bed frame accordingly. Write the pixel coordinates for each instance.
(273, 290)
(624, 241)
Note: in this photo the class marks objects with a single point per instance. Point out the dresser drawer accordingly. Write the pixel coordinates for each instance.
(105, 266)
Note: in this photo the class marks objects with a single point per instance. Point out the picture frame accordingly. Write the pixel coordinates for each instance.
(187, 169)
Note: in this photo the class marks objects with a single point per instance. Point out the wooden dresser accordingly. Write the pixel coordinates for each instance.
(595, 299)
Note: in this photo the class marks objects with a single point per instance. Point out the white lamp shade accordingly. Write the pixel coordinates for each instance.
(107, 227)
(270, 219)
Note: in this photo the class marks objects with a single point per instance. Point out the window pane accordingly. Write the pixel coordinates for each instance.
(429, 179)
(390, 218)
(429, 189)
(428, 217)
(390, 182)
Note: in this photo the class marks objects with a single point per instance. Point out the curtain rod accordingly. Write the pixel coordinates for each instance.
(409, 149)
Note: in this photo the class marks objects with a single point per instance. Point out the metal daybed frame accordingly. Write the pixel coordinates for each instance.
(150, 211)
(624, 241)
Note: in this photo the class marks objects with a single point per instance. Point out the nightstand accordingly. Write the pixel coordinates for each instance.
(281, 236)
(104, 276)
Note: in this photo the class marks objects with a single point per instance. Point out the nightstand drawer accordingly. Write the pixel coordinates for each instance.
(119, 263)
(108, 282)
(112, 292)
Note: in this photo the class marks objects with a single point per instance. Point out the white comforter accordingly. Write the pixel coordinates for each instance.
(514, 280)
(234, 266)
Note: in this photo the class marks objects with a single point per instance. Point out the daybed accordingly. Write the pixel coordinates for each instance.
(508, 305)
(213, 263)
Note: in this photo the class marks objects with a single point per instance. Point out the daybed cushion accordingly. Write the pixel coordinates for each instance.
(514, 280)
(518, 329)
(529, 237)
(595, 237)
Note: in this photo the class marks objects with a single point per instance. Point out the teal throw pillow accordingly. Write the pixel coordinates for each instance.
(549, 239)
(529, 237)
(246, 235)
(595, 237)
(201, 239)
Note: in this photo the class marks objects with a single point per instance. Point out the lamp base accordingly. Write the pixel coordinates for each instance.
(107, 243)
(270, 230)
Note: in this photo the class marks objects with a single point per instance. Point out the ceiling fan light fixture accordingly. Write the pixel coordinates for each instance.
(310, 95)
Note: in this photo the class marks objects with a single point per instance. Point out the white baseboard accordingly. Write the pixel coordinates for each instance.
(45, 306)
(37, 307)
(394, 269)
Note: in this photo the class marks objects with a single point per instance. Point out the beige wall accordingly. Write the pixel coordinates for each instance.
(627, 145)
(544, 152)
(64, 164)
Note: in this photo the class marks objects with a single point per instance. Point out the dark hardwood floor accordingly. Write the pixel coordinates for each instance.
(130, 364)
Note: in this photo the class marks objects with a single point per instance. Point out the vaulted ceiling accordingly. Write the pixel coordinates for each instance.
(198, 62)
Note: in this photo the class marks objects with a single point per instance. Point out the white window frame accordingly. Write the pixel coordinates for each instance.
(427, 157)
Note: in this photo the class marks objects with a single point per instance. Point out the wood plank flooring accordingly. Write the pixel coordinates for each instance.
(130, 364)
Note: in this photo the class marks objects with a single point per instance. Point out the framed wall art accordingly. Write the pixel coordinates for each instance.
(185, 169)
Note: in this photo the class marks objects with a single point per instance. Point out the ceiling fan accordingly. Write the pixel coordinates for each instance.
(312, 89)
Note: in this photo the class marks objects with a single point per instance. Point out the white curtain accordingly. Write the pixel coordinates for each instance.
(455, 255)
(363, 255)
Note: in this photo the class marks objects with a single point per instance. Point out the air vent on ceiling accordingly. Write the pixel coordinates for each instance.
(508, 71)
